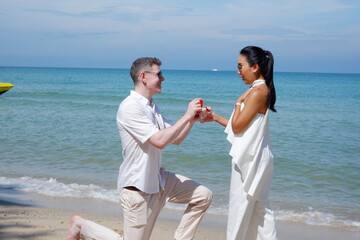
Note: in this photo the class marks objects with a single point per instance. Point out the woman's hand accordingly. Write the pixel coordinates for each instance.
(243, 96)
(207, 115)
(256, 102)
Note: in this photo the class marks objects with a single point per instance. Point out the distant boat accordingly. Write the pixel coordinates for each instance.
(5, 87)
(214, 69)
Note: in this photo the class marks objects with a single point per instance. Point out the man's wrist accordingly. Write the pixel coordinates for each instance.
(188, 118)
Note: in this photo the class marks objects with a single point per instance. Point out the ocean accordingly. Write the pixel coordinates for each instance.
(58, 137)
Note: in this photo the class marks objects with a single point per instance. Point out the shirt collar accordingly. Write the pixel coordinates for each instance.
(141, 98)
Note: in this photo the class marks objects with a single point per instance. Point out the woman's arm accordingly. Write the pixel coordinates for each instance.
(220, 119)
(243, 96)
(256, 102)
(207, 115)
(210, 116)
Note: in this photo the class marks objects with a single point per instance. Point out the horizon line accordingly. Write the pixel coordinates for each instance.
(169, 69)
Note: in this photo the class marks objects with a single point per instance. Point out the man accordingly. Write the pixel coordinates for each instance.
(144, 186)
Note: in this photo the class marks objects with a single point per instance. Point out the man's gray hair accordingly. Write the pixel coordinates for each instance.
(141, 65)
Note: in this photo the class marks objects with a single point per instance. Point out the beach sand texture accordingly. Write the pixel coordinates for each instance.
(24, 222)
(34, 216)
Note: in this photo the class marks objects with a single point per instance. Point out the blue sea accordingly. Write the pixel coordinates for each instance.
(58, 137)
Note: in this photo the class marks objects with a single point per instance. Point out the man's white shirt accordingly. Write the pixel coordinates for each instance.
(138, 119)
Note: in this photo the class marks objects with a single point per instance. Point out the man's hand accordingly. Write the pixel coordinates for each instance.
(194, 109)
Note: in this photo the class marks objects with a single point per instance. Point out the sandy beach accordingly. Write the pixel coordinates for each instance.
(34, 216)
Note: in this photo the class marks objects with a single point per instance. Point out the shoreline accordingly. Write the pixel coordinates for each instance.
(31, 215)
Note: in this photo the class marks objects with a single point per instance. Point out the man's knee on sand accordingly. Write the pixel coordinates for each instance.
(205, 196)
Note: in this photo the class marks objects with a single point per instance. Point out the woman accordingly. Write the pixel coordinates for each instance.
(252, 161)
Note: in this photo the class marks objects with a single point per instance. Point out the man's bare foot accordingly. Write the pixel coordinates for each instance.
(75, 227)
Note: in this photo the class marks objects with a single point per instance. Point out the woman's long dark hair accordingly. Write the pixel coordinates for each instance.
(265, 60)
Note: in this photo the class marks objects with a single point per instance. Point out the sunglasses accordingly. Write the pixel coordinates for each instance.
(159, 74)
(240, 66)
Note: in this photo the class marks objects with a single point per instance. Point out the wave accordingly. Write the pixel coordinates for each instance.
(317, 218)
(51, 187)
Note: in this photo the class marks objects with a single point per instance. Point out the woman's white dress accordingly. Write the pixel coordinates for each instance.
(250, 216)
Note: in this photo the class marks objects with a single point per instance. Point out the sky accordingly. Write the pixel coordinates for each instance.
(303, 35)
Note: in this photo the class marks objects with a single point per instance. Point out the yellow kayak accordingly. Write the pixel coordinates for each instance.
(5, 87)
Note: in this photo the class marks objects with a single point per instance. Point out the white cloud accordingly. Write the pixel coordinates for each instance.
(263, 18)
(110, 26)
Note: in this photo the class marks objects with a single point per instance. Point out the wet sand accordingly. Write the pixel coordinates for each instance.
(34, 216)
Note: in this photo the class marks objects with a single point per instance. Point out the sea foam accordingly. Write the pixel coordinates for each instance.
(51, 187)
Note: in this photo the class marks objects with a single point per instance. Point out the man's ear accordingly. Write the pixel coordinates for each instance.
(142, 78)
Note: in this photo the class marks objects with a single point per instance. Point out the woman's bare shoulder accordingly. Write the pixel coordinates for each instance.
(260, 92)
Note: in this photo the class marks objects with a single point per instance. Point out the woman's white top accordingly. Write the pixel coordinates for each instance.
(251, 152)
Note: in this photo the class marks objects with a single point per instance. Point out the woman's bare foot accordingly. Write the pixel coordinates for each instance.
(75, 227)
